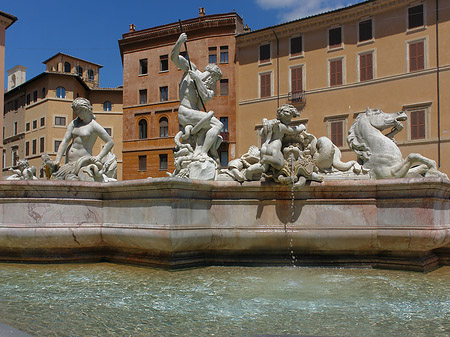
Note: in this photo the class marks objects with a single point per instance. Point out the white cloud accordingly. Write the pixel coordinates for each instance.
(288, 10)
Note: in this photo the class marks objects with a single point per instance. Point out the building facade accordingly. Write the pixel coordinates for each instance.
(150, 89)
(38, 111)
(386, 54)
(6, 20)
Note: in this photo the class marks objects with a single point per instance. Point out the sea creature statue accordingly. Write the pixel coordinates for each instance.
(200, 129)
(290, 155)
(23, 171)
(80, 164)
(380, 154)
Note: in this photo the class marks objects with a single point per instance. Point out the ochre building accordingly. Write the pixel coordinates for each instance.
(388, 54)
(150, 89)
(38, 111)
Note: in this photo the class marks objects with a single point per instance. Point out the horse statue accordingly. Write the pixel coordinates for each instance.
(380, 154)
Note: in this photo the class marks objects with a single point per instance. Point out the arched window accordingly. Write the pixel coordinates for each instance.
(80, 71)
(107, 106)
(142, 129)
(60, 92)
(66, 67)
(91, 74)
(163, 127)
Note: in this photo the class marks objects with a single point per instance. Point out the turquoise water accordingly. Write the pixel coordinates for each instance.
(117, 300)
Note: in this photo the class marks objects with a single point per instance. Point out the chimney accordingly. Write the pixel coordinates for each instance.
(201, 11)
(132, 27)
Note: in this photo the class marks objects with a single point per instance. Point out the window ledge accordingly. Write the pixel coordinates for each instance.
(416, 29)
(143, 75)
(364, 43)
(163, 71)
(265, 63)
(341, 47)
(297, 56)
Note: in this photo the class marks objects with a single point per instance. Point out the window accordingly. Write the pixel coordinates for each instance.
(28, 99)
(142, 129)
(164, 63)
(107, 106)
(35, 96)
(33, 146)
(163, 94)
(365, 30)
(223, 54)
(80, 71)
(56, 145)
(15, 128)
(41, 144)
(337, 132)
(34, 124)
(90, 75)
(66, 67)
(335, 72)
(42, 122)
(415, 17)
(163, 161)
(163, 127)
(15, 156)
(142, 163)
(366, 66)
(224, 158)
(212, 55)
(296, 81)
(264, 53)
(143, 67)
(265, 85)
(184, 54)
(143, 96)
(27, 126)
(60, 92)
(334, 37)
(296, 45)
(417, 122)
(416, 56)
(108, 131)
(224, 87)
(27, 148)
(43, 93)
(60, 120)
(224, 121)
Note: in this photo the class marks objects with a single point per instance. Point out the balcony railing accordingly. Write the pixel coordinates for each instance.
(297, 97)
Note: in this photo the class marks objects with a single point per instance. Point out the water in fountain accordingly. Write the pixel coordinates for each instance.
(291, 243)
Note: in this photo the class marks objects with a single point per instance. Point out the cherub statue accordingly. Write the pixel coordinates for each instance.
(23, 171)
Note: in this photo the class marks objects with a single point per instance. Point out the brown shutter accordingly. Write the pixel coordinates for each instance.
(296, 79)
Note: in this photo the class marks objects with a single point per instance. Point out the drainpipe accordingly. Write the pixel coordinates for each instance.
(438, 93)
(278, 69)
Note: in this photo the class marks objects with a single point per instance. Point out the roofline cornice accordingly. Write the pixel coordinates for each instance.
(338, 16)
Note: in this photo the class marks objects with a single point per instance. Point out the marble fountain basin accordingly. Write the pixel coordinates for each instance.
(177, 223)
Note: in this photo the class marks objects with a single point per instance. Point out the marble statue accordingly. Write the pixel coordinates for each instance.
(200, 129)
(80, 164)
(290, 155)
(23, 171)
(380, 154)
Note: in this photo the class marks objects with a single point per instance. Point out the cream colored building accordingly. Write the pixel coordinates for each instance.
(389, 54)
(6, 20)
(38, 111)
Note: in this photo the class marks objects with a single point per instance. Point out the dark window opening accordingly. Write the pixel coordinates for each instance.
(365, 30)
(335, 37)
(415, 17)
(224, 87)
(264, 53)
(163, 161)
(142, 163)
(143, 66)
(143, 96)
(164, 94)
(142, 129)
(163, 127)
(296, 46)
(212, 55)
(224, 54)
(164, 62)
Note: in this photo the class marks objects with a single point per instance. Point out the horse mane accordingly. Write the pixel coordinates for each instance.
(360, 148)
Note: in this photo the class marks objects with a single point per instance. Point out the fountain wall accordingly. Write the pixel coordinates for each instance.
(176, 223)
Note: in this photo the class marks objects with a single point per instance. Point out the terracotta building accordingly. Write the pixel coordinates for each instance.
(6, 20)
(150, 89)
(389, 54)
(38, 111)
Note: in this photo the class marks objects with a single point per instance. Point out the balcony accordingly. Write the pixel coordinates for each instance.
(297, 97)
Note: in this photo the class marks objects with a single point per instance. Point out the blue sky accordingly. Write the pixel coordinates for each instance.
(91, 29)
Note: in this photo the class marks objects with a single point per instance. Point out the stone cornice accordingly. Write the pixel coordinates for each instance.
(340, 16)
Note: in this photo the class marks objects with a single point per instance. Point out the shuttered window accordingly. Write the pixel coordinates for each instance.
(416, 56)
(335, 72)
(265, 85)
(296, 79)
(365, 67)
(418, 124)
(337, 133)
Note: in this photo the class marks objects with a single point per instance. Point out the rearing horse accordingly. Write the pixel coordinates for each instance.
(379, 153)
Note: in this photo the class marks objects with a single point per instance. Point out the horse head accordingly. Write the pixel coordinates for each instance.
(382, 120)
